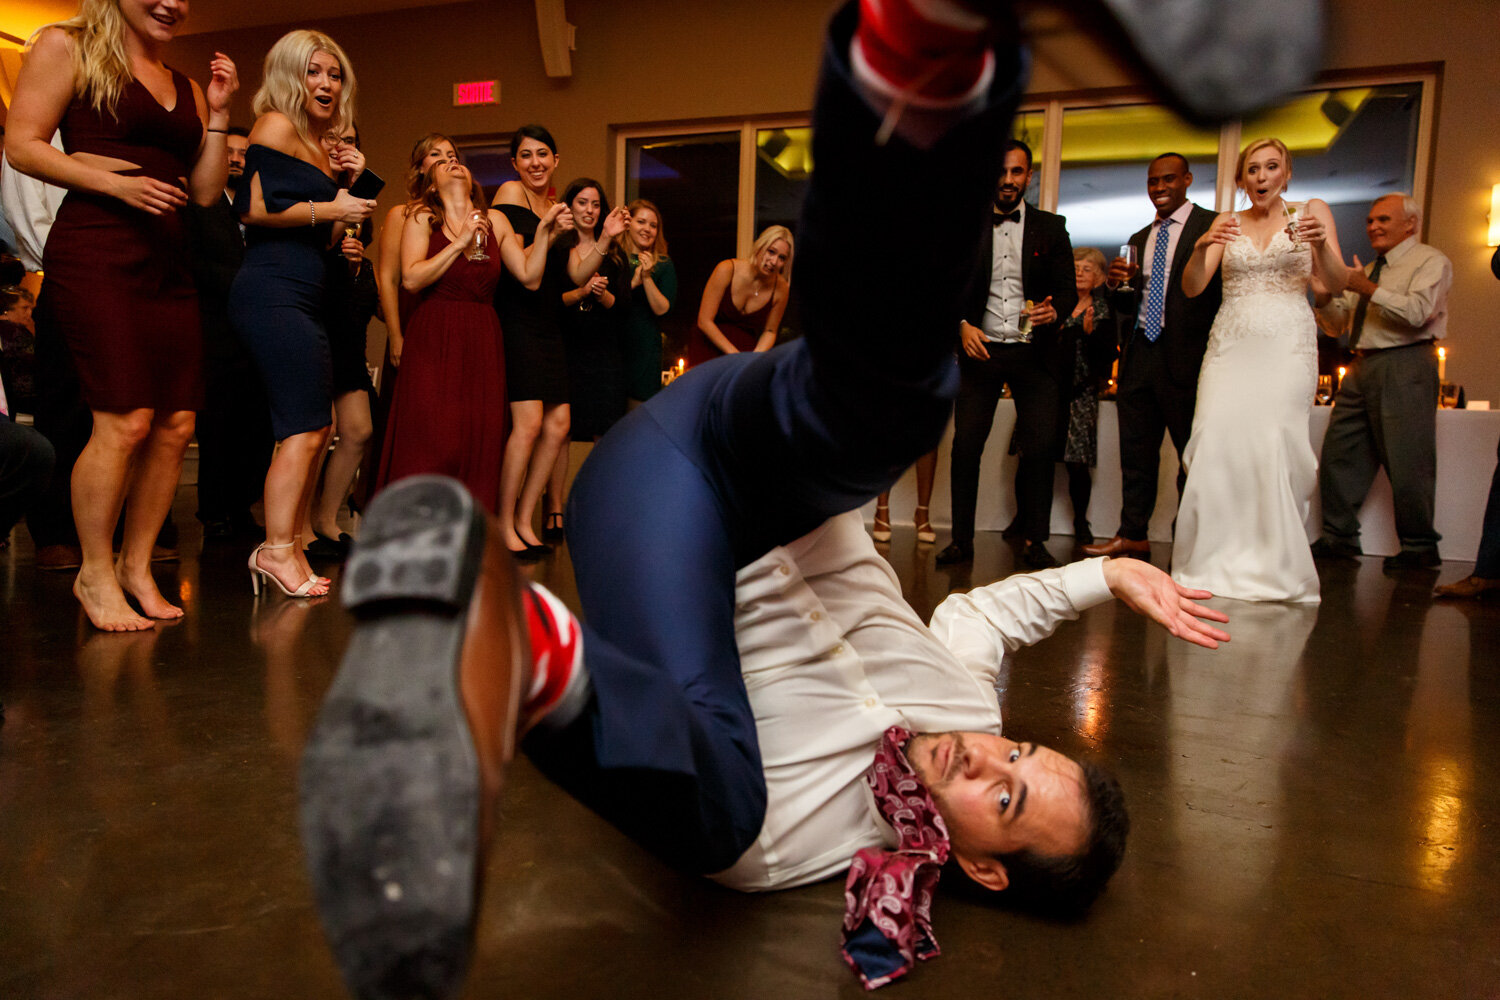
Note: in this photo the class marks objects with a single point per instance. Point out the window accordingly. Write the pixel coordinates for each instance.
(1348, 146)
(488, 159)
(694, 179)
(1105, 153)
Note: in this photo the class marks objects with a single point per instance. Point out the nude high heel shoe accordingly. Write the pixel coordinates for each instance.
(257, 574)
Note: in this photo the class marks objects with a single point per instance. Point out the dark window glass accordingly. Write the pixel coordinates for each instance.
(694, 180)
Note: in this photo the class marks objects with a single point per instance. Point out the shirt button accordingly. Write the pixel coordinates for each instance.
(838, 650)
(816, 616)
(784, 570)
(869, 703)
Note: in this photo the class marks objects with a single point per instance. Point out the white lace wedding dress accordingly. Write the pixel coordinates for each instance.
(1251, 469)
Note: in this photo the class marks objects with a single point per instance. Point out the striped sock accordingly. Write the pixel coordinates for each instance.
(928, 53)
(559, 680)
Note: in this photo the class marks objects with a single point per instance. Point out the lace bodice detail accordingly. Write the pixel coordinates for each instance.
(1280, 269)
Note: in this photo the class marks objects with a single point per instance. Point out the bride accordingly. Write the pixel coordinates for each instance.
(1251, 469)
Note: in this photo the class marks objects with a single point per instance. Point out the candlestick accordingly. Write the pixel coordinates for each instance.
(1442, 365)
(1342, 369)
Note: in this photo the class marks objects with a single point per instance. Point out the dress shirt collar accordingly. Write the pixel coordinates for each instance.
(1179, 218)
(1396, 252)
(1020, 207)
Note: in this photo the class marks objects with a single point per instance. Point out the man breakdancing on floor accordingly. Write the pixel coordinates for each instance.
(725, 579)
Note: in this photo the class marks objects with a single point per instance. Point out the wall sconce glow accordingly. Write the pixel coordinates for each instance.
(1494, 240)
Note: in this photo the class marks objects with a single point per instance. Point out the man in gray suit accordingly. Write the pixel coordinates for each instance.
(1163, 336)
(1385, 413)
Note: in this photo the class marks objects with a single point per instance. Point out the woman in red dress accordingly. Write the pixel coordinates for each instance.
(448, 412)
(118, 286)
(744, 300)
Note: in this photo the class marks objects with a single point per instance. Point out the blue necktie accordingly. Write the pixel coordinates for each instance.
(1156, 288)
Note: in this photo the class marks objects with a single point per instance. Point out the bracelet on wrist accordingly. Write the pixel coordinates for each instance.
(220, 131)
(314, 209)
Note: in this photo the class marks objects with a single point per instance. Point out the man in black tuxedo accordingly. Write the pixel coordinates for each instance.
(1008, 335)
(1163, 336)
(234, 428)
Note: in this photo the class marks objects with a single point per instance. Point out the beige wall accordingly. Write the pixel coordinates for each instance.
(666, 60)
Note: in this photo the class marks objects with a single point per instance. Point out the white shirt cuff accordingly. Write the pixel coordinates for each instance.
(1084, 583)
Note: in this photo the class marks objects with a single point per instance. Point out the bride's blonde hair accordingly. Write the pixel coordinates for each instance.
(101, 66)
(1258, 144)
(284, 87)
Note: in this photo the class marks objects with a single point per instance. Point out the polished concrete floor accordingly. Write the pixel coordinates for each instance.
(1316, 812)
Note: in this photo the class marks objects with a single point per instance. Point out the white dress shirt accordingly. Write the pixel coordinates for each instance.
(1410, 303)
(1002, 312)
(833, 655)
(1148, 253)
(30, 207)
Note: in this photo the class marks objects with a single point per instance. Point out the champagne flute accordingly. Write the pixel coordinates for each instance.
(1132, 258)
(476, 248)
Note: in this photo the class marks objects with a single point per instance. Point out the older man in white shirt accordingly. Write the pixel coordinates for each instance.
(1385, 414)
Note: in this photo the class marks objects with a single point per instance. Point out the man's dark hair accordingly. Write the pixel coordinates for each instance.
(1062, 886)
(1187, 167)
(1017, 144)
(239, 130)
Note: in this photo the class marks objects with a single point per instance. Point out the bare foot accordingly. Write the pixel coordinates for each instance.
(291, 571)
(141, 585)
(104, 602)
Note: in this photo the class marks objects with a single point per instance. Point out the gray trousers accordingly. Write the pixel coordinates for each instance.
(1385, 414)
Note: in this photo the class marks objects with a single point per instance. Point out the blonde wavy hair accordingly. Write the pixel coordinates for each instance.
(284, 86)
(101, 67)
(770, 235)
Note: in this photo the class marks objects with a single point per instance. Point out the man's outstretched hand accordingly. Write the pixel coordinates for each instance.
(1148, 591)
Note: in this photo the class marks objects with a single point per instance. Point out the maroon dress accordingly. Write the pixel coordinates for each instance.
(448, 409)
(742, 329)
(118, 287)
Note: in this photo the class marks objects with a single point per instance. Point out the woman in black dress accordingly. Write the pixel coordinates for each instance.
(1088, 340)
(118, 286)
(536, 373)
(352, 300)
(590, 328)
(294, 210)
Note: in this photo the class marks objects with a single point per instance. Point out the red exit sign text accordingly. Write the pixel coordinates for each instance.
(476, 92)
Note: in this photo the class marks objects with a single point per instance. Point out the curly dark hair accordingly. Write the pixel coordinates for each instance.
(1064, 886)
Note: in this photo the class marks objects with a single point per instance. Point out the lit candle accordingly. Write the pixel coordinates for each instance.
(1342, 369)
(1442, 365)
(681, 365)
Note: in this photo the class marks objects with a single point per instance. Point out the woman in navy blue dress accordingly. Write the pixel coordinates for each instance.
(294, 210)
(118, 286)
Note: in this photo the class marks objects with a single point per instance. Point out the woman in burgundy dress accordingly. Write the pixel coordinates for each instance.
(118, 286)
(744, 300)
(448, 412)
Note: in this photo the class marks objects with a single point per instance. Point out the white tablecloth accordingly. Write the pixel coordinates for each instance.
(1466, 441)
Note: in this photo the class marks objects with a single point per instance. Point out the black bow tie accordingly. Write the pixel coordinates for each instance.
(1008, 217)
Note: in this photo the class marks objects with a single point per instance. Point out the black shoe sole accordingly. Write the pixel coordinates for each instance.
(390, 787)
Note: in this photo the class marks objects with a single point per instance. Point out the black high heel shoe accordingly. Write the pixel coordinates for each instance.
(554, 532)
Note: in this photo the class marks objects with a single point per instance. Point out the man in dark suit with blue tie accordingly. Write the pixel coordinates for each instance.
(1163, 336)
(1008, 335)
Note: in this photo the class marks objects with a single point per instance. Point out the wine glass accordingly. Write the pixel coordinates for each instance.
(476, 248)
(1325, 390)
(1132, 258)
(1291, 212)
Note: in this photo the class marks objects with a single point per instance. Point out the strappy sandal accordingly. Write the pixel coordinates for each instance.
(881, 530)
(258, 575)
(925, 534)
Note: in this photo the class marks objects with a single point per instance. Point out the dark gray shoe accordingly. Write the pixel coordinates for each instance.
(1218, 60)
(1413, 559)
(1332, 548)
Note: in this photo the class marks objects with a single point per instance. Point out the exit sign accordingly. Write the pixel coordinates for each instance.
(476, 92)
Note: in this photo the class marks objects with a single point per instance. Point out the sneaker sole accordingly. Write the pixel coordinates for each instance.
(390, 788)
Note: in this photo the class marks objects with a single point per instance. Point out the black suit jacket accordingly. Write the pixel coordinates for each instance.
(218, 250)
(1046, 269)
(1188, 319)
